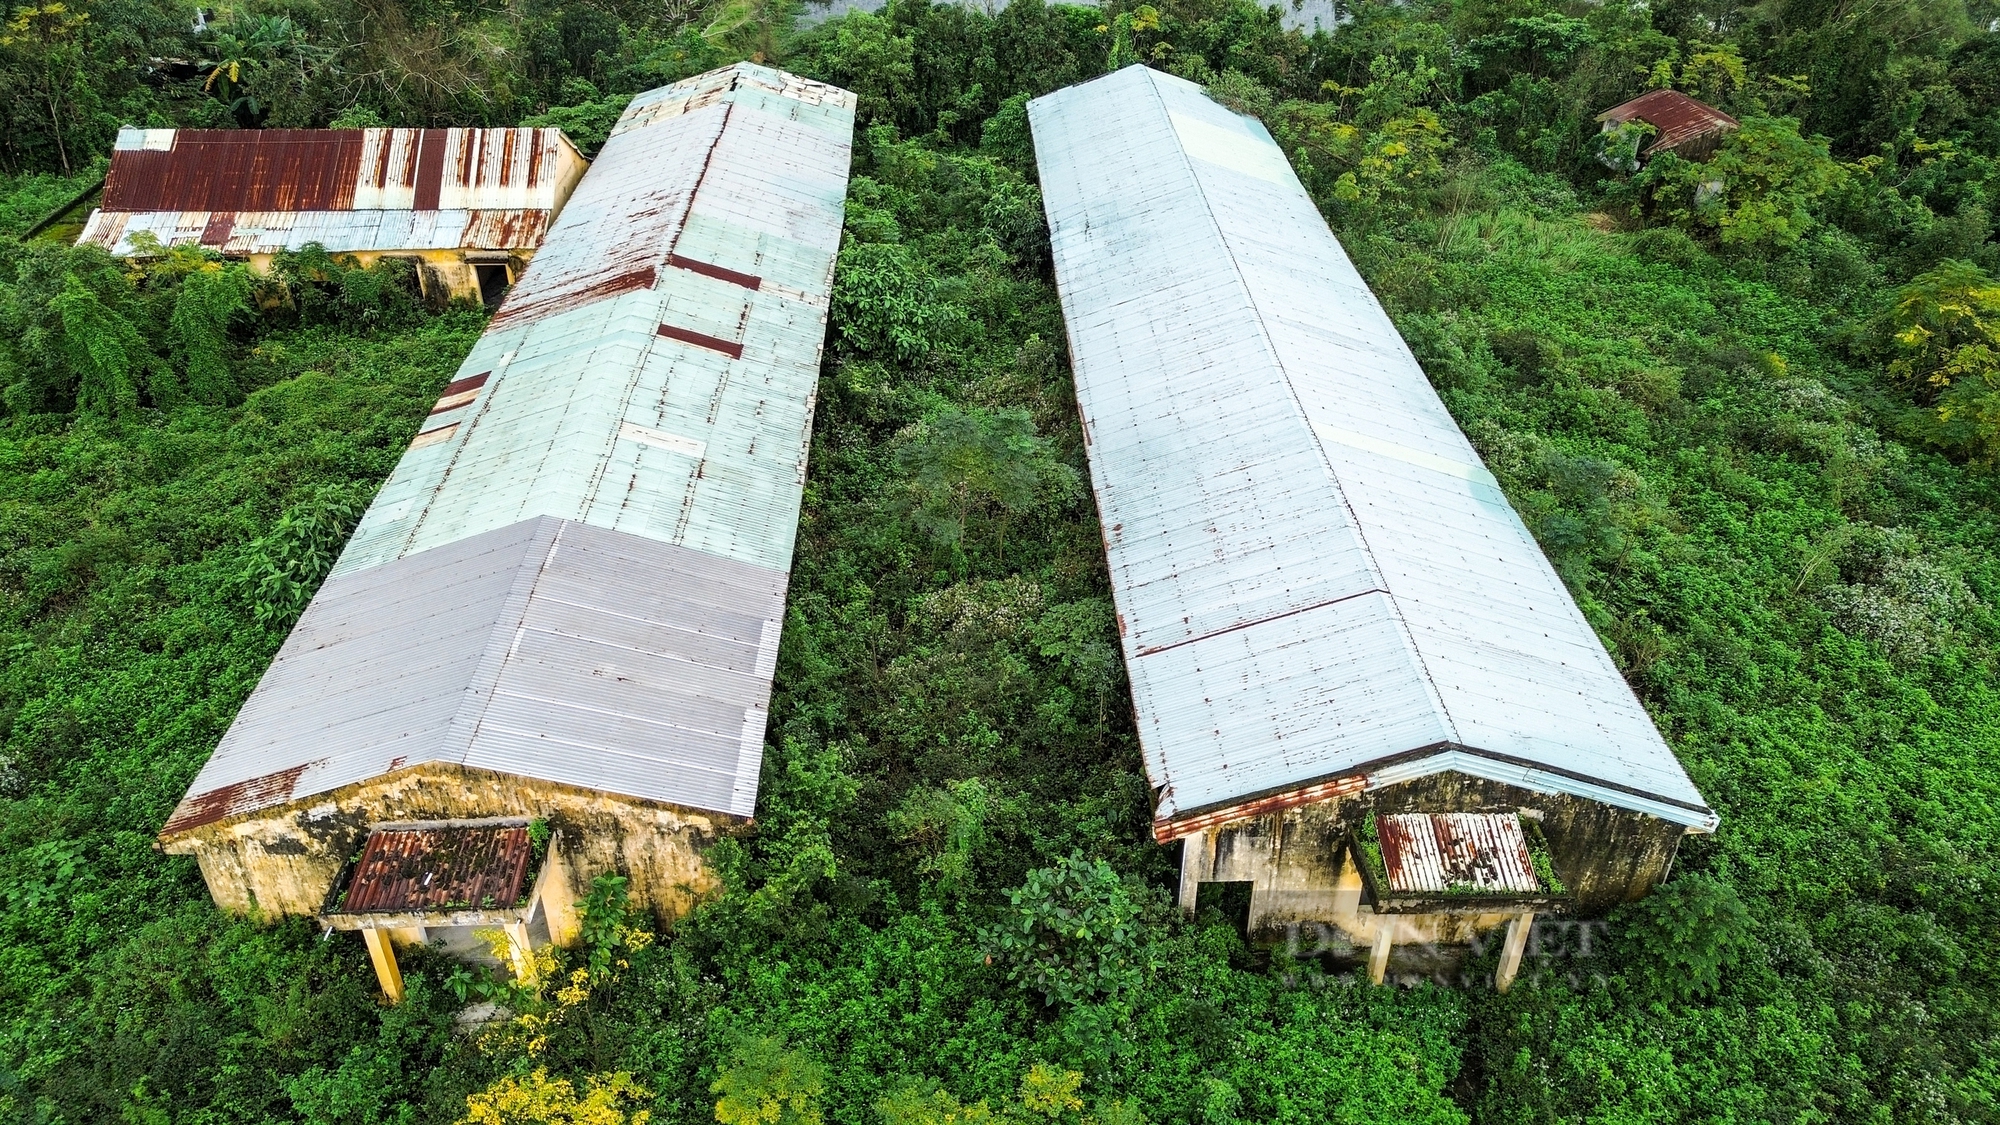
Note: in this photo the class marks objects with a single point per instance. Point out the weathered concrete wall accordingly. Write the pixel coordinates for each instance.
(1605, 855)
(283, 861)
(1301, 874)
(447, 268)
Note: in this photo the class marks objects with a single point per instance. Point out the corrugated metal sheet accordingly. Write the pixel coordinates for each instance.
(338, 169)
(1445, 851)
(1316, 578)
(351, 190)
(343, 232)
(577, 572)
(1679, 118)
(423, 869)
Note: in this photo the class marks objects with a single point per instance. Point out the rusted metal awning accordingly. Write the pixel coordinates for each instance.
(458, 867)
(1453, 851)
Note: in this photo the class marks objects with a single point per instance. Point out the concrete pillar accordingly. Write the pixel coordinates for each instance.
(1518, 930)
(1378, 958)
(386, 970)
(410, 935)
(1197, 860)
(523, 953)
(558, 899)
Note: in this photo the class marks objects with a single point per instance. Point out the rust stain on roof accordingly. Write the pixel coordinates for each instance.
(328, 169)
(239, 170)
(710, 269)
(197, 809)
(1679, 118)
(538, 304)
(421, 869)
(730, 348)
(641, 244)
(503, 229)
(1443, 851)
(1169, 830)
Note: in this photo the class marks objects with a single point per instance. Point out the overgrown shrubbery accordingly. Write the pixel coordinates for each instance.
(1760, 469)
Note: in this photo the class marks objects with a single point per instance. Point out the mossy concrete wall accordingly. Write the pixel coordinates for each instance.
(284, 860)
(1301, 874)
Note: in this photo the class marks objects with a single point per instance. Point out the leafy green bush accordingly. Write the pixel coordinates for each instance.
(1073, 933)
(1680, 940)
(766, 1082)
(283, 567)
(1760, 191)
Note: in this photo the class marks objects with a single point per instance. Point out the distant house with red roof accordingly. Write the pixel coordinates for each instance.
(1683, 126)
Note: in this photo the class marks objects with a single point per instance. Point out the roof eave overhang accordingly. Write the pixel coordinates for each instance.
(1446, 758)
(183, 841)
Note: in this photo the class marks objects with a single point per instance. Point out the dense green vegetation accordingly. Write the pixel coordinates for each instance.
(1756, 436)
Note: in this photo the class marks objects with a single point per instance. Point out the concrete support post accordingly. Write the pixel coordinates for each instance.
(410, 935)
(1510, 952)
(523, 952)
(1378, 958)
(386, 970)
(1197, 860)
(559, 898)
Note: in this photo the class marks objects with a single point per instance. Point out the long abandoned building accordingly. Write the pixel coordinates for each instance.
(1363, 694)
(469, 207)
(546, 652)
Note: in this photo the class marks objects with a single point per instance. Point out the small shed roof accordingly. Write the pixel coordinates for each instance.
(250, 191)
(577, 571)
(1320, 587)
(439, 868)
(1678, 118)
(1445, 851)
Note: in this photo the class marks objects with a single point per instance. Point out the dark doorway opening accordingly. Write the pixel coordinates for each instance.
(1231, 900)
(492, 283)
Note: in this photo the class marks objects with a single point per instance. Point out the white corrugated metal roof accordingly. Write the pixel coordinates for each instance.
(1316, 577)
(577, 572)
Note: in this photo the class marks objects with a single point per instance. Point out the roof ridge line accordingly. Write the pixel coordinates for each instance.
(1414, 653)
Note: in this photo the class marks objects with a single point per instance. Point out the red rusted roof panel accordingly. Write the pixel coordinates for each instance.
(1443, 851)
(474, 867)
(710, 269)
(1678, 117)
(430, 169)
(239, 170)
(1171, 829)
(326, 169)
(504, 229)
(197, 809)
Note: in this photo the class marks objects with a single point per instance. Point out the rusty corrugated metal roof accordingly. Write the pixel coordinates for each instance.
(457, 867)
(1678, 117)
(245, 192)
(336, 169)
(1445, 851)
(242, 233)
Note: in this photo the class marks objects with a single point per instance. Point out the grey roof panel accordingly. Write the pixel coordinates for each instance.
(1314, 572)
(563, 651)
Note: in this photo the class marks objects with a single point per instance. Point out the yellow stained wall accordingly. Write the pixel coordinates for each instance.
(1297, 863)
(284, 860)
(448, 267)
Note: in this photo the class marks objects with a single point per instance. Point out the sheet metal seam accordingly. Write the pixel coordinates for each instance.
(1242, 625)
(502, 640)
(1305, 417)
